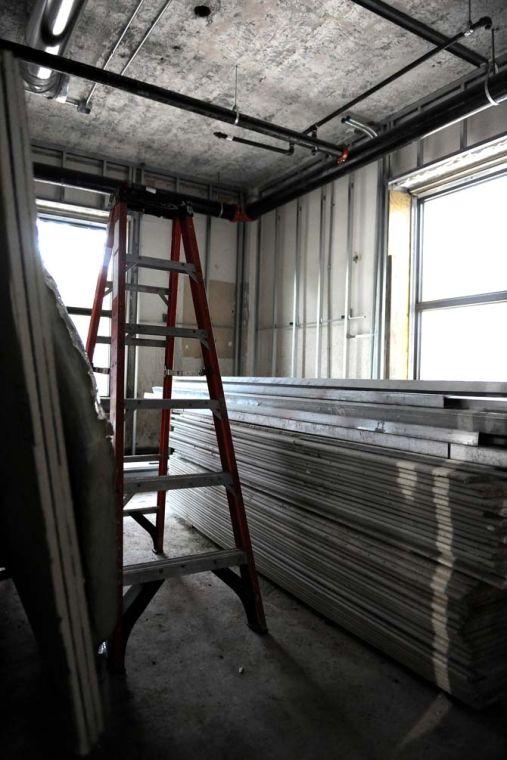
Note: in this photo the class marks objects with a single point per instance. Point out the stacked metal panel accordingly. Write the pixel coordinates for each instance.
(406, 550)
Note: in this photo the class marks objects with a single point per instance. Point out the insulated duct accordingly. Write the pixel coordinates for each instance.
(49, 29)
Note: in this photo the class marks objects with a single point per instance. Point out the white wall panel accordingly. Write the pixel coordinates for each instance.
(311, 248)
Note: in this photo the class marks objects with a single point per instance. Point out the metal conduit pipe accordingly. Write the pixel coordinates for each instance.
(49, 29)
(144, 198)
(365, 128)
(170, 98)
(423, 31)
(85, 106)
(484, 94)
(483, 23)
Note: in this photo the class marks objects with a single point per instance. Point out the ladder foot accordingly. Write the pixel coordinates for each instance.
(135, 601)
(115, 651)
(254, 612)
(262, 630)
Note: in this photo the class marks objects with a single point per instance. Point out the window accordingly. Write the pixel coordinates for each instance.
(72, 253)
(461, 283)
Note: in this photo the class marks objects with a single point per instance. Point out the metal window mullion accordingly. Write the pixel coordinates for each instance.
(379, 271)
(416, 286)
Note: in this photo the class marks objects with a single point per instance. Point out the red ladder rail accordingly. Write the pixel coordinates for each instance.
(93, 329)
(143, 580)
(221, 421)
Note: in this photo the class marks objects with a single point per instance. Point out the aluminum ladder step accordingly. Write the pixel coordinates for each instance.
(173, 332)
(164, 265)
(145, 572)
(134, 484)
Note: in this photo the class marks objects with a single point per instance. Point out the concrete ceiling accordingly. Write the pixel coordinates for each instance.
(298, 60)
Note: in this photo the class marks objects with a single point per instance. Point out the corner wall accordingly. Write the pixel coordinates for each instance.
(314, 301)
(316, 266)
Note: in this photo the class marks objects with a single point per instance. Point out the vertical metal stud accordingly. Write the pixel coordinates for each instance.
(207, 244)
(332, 205)
(239, 300)
(295, 302)
(276, 285)
(320, 282)
(116, 407)
(348, 275)
(257, 295)
(132, 351)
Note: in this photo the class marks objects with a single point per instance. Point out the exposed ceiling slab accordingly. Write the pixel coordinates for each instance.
(298, 60)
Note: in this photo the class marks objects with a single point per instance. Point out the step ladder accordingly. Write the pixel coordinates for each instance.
(145, 579)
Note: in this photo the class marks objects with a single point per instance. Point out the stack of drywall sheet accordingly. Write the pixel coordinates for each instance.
(38, 530)
(461, 421)
(406, 550)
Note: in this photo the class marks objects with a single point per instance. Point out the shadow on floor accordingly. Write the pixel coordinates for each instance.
(200, 684)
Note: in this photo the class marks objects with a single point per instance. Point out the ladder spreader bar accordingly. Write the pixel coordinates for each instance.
(173, 332)
(135, 484)
(164, 265)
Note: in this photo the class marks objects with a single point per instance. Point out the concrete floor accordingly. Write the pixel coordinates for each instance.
(200, 684)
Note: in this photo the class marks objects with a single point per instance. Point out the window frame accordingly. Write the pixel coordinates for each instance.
(417, 305)
(55, 217)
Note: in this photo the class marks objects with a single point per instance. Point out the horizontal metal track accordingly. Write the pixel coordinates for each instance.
(134, 484)
(165, 403)
(164, 265)
(172, 332)
(167, 568)
(171, 403)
